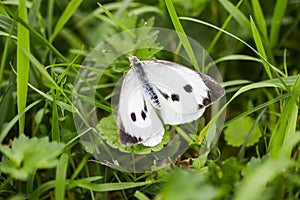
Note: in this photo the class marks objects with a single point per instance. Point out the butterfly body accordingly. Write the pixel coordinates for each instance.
(156, 92)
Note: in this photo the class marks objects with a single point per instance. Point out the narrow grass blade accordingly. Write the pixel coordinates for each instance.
(259, 18)
(41, 189)
(278, 15)
(60, 180)
(2, 10)
(5, 54)
(48, 97)
(6, 101)
(241, 19)
(287, 123)
(225, 24)
(79, 167)
(122, 26)
(12, 122)
(105, 187)
(260, 47)
(55, 118)
(66, 15)
(22, 64)
(181, 34)
(140, 196)
(243, 89)
(7, 23)
(237, 38)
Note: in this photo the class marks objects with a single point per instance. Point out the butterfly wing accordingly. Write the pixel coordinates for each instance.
(183, 93)
(137, 120)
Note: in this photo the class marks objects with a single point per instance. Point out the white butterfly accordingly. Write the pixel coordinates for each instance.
(157, 92)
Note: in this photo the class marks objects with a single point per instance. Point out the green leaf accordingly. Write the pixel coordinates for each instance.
(237, 132)
(27, 155)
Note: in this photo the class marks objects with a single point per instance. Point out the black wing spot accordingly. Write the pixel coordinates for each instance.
(188, 88)
(133, 116)
(166, 96)
(145, 106)
(175, 97)
(143, 114)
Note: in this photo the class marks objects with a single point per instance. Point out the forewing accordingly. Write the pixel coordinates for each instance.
(137, 120)
(183, 93)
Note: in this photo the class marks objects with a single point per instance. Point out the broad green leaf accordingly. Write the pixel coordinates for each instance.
(238, 131)
(27, 155)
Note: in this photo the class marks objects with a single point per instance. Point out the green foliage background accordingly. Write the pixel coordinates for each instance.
(255, 45)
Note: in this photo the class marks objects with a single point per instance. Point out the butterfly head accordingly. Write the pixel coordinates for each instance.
(134, 61)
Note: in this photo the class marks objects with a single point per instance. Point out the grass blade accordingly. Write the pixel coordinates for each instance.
(55, 118)
(66, 15)
(277, 71)
(105, 187)
(3, 60)
(119, 22)
(241, 19)
(181, 34)
(287, 123)
(259, 18)
(225, 24)
(260, 47)
(22, 64)
(61, 174)
(12, 122)
(278, 15)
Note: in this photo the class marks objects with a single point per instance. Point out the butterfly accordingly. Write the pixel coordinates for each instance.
(158, 92)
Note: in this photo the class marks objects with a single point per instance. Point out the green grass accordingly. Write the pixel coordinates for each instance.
(43, 45)
(22, 64)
